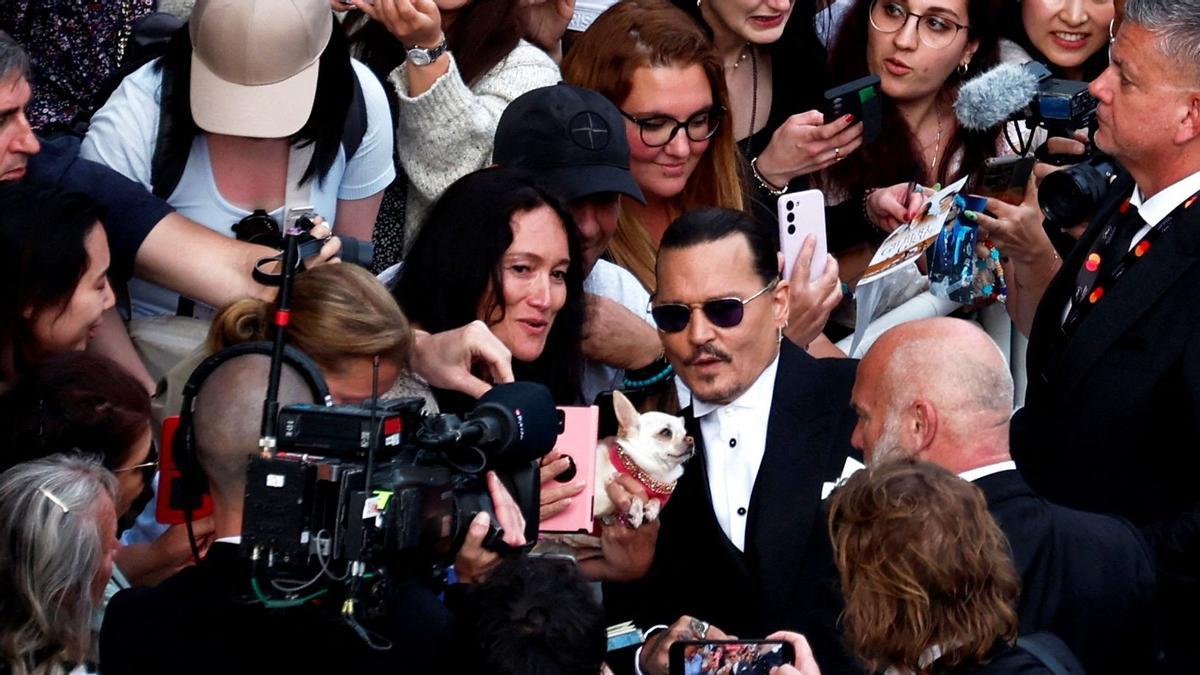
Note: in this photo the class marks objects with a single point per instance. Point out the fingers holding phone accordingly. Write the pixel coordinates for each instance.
(804, 144)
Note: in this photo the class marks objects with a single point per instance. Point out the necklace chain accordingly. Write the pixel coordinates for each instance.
(937, 145)
(747, 50)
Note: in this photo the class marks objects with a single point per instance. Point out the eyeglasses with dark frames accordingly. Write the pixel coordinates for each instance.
(659, 130)
(673, 317)
(934, 30)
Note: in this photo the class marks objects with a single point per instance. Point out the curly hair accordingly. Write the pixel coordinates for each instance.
(923, 565)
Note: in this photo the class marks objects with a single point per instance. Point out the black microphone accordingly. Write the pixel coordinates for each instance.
(999, 95)
(514, 423)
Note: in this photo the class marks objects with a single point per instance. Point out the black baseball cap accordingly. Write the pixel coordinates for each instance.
(571, 139)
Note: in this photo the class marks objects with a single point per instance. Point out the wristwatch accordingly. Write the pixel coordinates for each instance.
(423, 57)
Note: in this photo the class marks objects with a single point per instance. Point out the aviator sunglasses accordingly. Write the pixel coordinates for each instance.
(722, 312)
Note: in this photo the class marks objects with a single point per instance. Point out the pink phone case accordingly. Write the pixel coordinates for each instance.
(578, 440)
(802, 214)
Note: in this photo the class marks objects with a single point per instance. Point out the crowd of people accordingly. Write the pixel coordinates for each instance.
(481, 197)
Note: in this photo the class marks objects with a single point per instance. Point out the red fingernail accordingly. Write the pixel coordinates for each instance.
(849, 119)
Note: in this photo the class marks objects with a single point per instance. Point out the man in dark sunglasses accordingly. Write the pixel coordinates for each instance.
(743, 542)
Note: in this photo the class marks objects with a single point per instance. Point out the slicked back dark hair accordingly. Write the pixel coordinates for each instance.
(702, 226)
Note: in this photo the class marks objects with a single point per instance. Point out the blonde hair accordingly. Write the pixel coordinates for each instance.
(636, 34)
(337, 311)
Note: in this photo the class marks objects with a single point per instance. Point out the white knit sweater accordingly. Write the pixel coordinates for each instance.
(446, 132)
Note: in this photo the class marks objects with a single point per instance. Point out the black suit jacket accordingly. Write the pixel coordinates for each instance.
(1088, 578)
(1111, 421)
(786, 578)
(199, 621)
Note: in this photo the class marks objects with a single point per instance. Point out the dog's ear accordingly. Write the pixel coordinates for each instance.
(627, 415)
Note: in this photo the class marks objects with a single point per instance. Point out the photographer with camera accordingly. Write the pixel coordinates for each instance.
(1113, 406)
(213, 604)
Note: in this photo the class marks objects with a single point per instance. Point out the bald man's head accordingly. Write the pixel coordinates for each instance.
(227, 419)
(933, 387)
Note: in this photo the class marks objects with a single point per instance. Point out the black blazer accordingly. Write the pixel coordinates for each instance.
(1088, 578)
(1111, 421)
(199, 621)
(786, 578)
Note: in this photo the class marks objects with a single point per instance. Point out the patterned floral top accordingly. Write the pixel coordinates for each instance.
(74, 47)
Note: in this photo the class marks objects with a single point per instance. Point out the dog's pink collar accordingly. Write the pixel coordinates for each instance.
(655, 489)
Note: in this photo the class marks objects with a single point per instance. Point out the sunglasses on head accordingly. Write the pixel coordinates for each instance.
(722, 312)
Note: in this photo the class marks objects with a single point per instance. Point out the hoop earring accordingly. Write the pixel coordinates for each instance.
(962, 68)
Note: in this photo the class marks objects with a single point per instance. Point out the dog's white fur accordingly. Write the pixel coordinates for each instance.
(656, 442)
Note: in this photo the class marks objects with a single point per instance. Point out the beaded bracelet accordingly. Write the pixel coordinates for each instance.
(663, 375)
(763, 183)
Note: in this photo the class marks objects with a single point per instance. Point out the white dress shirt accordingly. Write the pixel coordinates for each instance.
(972, 475)
(735, 439)
(1153, 210)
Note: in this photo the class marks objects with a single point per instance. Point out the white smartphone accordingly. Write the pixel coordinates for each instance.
(802, 214)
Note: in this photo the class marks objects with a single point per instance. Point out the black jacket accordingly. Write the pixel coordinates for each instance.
(200, 621)
(1088, 578)
(786, 579)
(1111, 422)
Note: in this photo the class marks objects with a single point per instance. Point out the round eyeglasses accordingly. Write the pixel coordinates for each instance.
(934, 30)
(658, 130)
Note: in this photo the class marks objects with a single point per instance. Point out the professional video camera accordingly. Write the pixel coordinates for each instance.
(381, 486)
(1027, 92)
(342, 499)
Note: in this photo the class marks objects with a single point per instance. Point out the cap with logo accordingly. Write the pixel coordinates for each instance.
(255, 63)
(571, 139)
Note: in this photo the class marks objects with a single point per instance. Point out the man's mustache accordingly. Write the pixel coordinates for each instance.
(706, 350)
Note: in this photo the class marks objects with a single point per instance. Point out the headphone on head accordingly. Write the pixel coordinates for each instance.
(188, 491)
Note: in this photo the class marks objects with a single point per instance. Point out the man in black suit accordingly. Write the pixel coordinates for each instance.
(209, 618)
(743, 543)
(1112, 415)
(939, 390)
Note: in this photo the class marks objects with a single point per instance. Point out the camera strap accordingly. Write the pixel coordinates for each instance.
(1111, 257)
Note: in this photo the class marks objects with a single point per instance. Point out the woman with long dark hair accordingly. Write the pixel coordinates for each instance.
(1069, 36)
(54, 275)
(499, 249)
(454, 65)
(922, 52)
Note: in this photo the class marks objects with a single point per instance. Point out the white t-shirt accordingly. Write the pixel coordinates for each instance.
(618, 284)
(124, 132)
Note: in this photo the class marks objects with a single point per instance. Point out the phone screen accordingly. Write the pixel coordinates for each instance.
(704, 657)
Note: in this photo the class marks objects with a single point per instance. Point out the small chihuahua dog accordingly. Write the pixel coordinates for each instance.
(652, 448)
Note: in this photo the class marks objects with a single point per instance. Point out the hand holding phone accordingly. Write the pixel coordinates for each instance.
(862, 98)
(713, 657)
(802, 214)
(577, 444)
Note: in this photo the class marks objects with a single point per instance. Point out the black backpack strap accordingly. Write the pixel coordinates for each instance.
(1051, 651)
(356, 121)
(168, 163)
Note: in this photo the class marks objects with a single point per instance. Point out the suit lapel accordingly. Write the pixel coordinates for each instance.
(787, 490)
(1138, 291)
(1048, 319)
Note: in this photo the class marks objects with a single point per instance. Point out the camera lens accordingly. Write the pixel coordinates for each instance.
(1069, 197)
